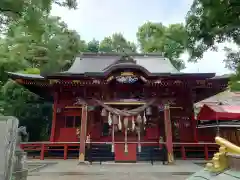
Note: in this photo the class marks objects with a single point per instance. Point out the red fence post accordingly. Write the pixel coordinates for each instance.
(65, 153)
(42, 152)
(206, 151)
(183, 152)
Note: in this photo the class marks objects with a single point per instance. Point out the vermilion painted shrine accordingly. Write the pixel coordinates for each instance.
(128, 101)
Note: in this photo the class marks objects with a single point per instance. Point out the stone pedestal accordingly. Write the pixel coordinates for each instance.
(20, 171)
(20, 175)
(234, 161)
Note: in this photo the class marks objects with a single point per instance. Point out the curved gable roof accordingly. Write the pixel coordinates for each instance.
(99, 63)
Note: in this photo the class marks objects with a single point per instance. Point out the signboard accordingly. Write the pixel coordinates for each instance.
(8, 138)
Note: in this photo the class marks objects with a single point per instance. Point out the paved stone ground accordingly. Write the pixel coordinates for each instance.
(66, 170)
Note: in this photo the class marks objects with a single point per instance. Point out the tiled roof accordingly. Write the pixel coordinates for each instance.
(97, 63)
(26, 76)
(224, 98)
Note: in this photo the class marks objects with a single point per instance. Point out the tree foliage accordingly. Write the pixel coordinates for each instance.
(210, 22)
(117, 43)
(32, 40)
(171, 40)
(30, 11)
(30, 109)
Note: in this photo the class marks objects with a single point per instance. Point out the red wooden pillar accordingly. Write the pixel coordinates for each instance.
(194, 126)
(168, 131)
(42, 152)
(83, 134)
(54, 117)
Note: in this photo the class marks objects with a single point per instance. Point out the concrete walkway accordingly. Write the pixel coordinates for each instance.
(69, 169)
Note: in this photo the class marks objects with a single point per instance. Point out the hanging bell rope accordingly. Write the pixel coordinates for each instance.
(133, 123)
(139, 122)
(139, 140)
(119, 123)
(109, 119)
(125, 121)
(144, 118)
(113, 125)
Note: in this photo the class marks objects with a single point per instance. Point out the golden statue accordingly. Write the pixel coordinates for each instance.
(220, 160)
(224, 165)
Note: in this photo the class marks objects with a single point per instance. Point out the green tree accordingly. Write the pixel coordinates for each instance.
(30, 109)
(157, 38)
(54, 51)
(232, 62)
(93, 46)
(117, 43)
(211, 22)
(21, 51)
(29, 11)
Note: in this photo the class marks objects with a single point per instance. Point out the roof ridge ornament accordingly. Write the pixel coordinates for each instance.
(125, 57)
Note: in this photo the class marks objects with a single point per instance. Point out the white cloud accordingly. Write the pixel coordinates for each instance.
(100, 18)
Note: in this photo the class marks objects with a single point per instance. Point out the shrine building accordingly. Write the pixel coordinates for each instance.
(127, 102)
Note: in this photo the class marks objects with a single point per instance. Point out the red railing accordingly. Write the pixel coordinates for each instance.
(182, 148)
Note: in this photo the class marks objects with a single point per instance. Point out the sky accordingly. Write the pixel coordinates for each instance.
(100, 18)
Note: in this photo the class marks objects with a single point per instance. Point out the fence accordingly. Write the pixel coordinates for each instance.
(181, 150)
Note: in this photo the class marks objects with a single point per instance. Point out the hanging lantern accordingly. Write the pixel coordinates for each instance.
(109, 119)
(149, 111)
(119, 123)
(103, 112)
